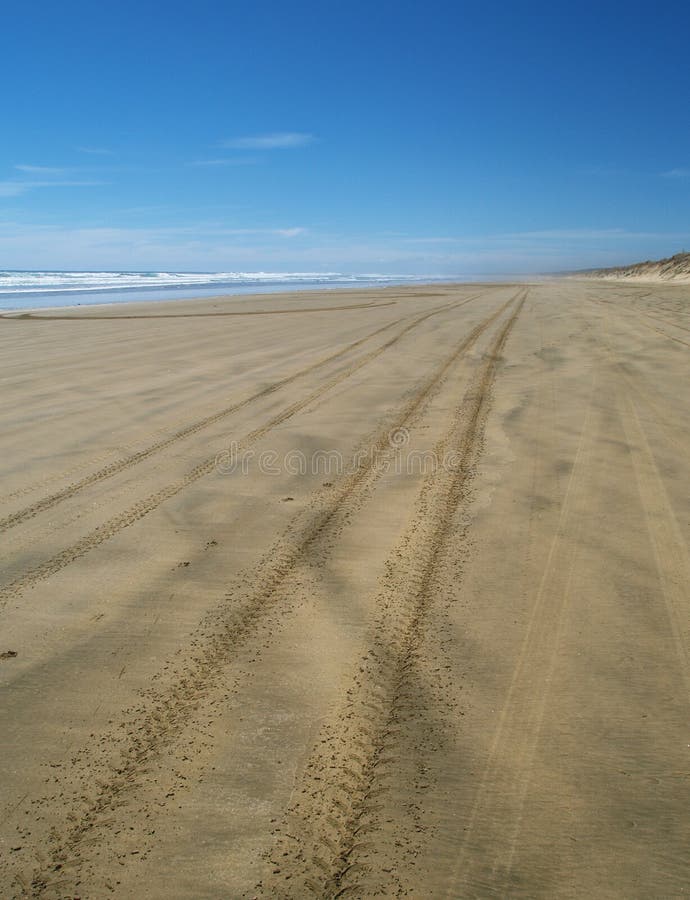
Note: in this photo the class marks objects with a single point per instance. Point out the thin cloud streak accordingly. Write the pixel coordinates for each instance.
(230, 161)
(198, 230)
(555, 234)
(278, 141)
(197, 247)
(42, 170)
(17, 188)
(213, 246)
(95, 151)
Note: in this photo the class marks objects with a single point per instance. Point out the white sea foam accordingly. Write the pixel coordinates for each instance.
(23, 282)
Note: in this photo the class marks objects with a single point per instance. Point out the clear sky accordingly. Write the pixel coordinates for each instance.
(421, 137)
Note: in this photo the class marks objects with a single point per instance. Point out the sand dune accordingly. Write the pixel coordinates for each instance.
(673, 269)
(359, 593)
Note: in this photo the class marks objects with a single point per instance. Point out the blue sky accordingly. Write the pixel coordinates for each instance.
(403, 137)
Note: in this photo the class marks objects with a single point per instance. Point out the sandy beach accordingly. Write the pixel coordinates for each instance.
(355, 593)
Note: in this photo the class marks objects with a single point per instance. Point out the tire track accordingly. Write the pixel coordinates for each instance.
(33, 317)
(640, 389)
(657, 301)
(146, 731)
(330, 829)
(666, 321)
(669, 547)
(136, 512)
(490, 836)
(641, 317)
(665, 334)
(133, 459)
(180, 433)
(121, 447)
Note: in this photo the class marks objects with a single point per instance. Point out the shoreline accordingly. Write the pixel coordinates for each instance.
(146, 307)
(126, 296)
(112, 296)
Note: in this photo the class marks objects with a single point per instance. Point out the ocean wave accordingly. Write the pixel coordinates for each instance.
(45, 282)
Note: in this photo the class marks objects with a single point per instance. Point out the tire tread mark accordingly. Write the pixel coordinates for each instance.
(353, 756)
(133, 459)
(155, 725)
(32, 317)
(496, 813)
(144, 507)
(668, 546)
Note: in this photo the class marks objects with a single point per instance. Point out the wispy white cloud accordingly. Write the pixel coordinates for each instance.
(241, 232)
(676, 173)
(42, 170)
(201, 230)
(546, 236)
(95, 151)
(16, 188)
(278, 141)
(218, 246)
(569, 234)
(434, 240)
(228, 161)
(291, 232)
(198, 246)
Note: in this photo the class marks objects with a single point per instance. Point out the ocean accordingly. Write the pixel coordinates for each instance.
(30, 290)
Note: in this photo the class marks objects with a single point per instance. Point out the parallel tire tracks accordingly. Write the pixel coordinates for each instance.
(645, 315)
(185, 431)
(493, 826)
(666, 321)
(666, 538)
(180, 432)
(331, 826)
(169, 711)
(144, 507)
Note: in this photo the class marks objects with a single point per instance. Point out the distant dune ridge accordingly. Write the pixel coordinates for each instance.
(675, 268)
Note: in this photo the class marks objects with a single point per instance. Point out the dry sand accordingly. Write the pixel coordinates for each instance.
(459, 667)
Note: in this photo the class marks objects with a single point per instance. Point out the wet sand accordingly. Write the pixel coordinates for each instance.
(348, 593)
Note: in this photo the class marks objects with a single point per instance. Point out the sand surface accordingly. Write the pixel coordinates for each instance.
(354, 594)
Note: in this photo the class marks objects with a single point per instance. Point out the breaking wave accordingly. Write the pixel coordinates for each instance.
(25, 282)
